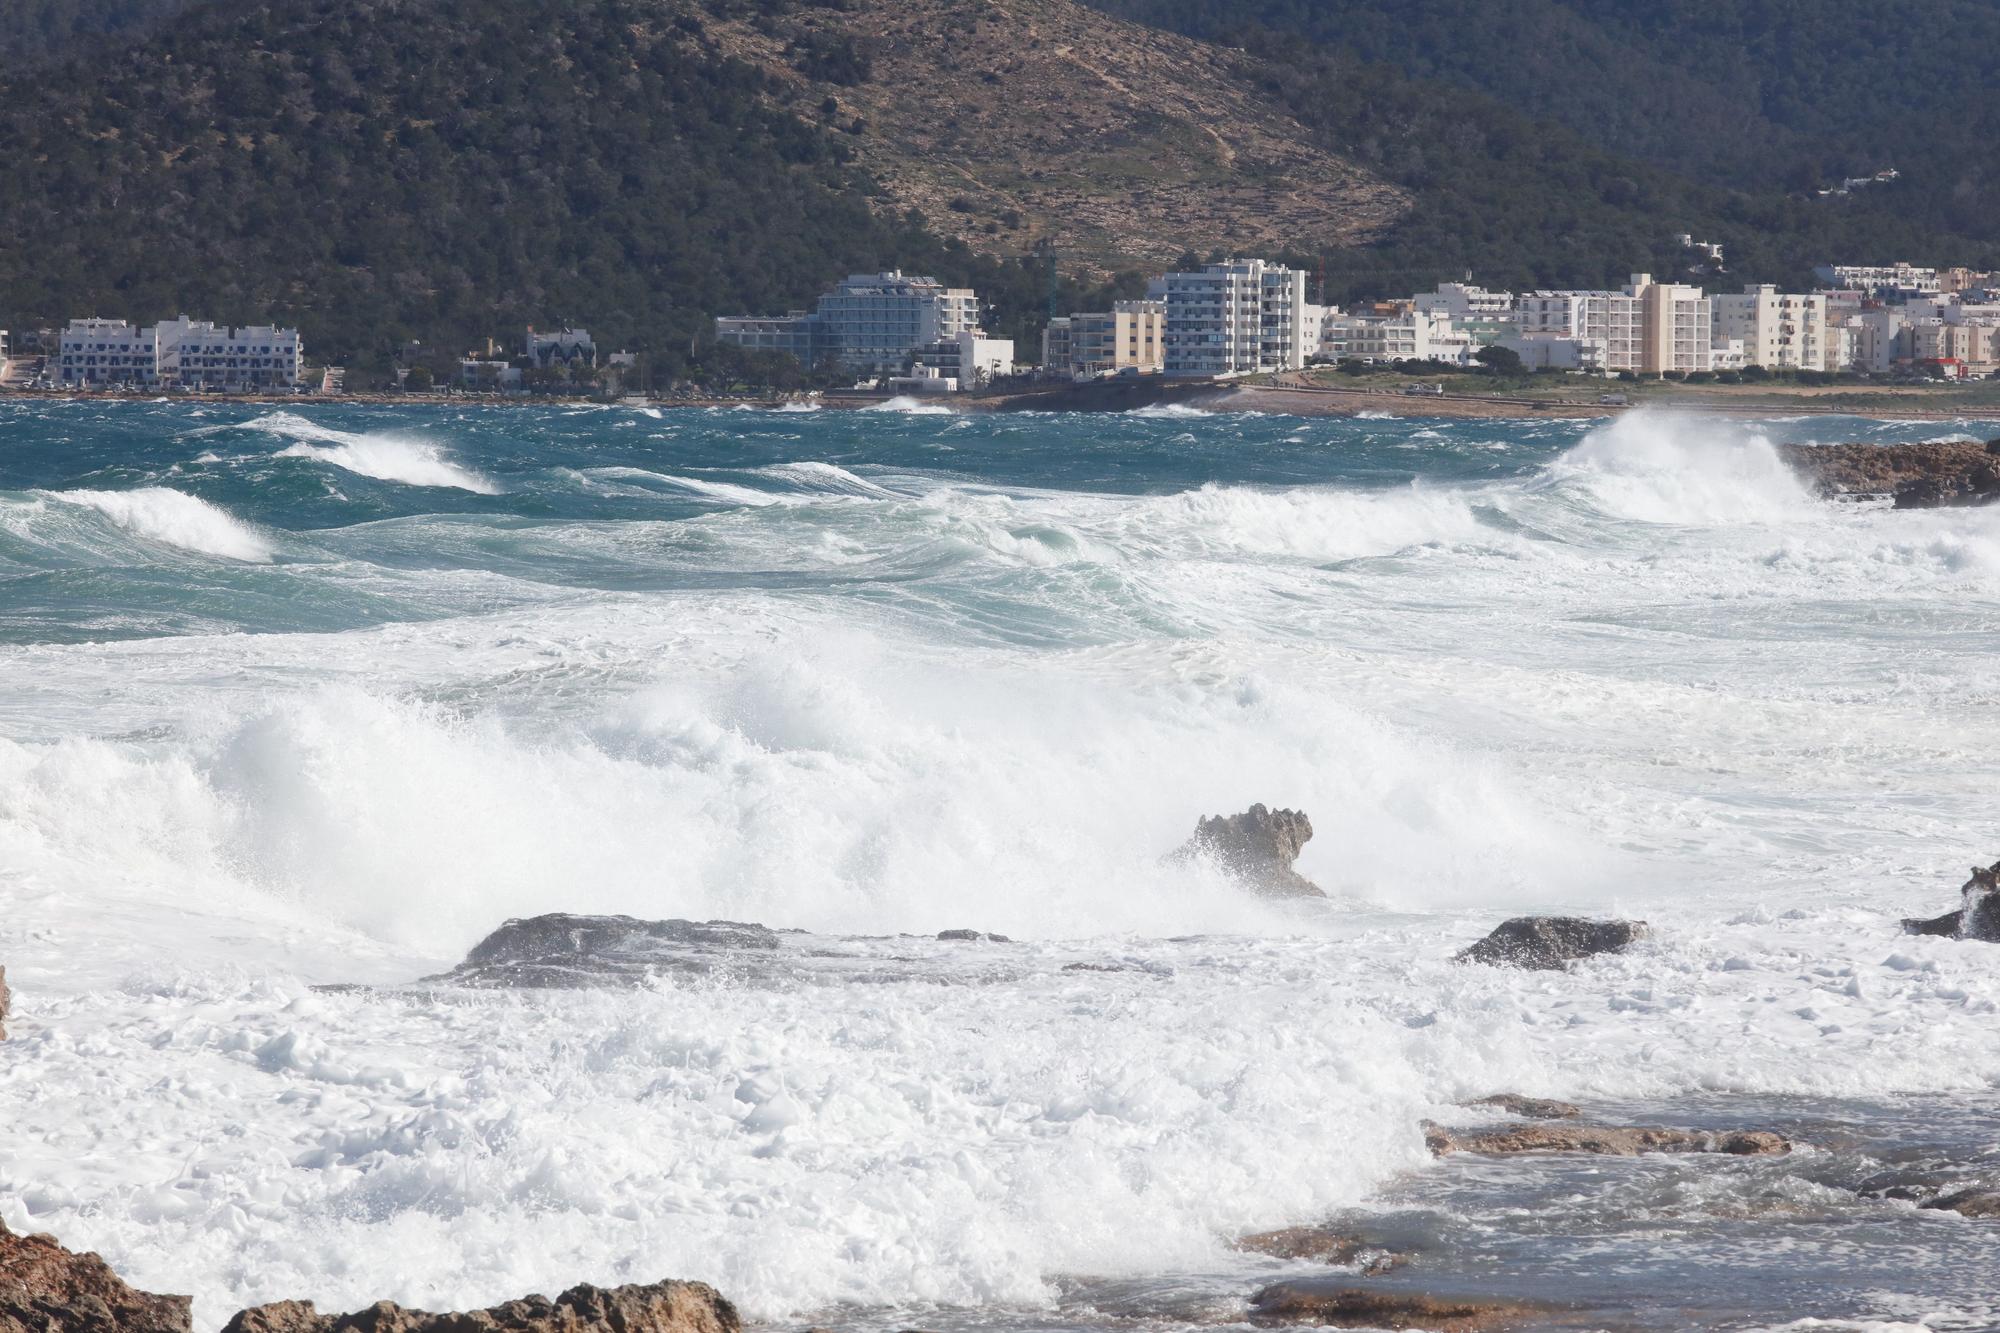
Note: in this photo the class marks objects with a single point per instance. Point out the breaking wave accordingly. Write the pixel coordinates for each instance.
(384, 457)
(175, 519)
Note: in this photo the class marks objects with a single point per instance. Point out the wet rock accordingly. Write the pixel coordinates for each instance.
(1915, 476)
(1324, 1245)
(6, 1002)
(1971, 1202)
(660, 1307)
(1978, 914)
(974, 936)
(1531, 1108)
(1318, 1302)
(45, 1288)
(1608, 1140)
(566, 950)
(1258, 848)
(1548, 943)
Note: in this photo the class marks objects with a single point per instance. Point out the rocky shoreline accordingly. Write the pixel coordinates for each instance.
(1929, 475)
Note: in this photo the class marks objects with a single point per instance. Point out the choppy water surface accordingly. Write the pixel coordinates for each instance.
(323, 695)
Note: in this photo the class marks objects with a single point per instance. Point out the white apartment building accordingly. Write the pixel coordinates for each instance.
(970, 358)
(1240, 317)
(1413, 335)
(1905, 279)
(1778, 331)
(1879, 341)
(186, 353)
(1551, 351)
(1650, 328)
(873, 323)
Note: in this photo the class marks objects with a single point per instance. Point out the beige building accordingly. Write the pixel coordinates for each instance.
(1128, 338)
(1973, 348)
(1779, 331)
(1650, 328)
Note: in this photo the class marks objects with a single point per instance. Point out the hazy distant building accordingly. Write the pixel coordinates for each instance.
(871, 323)
(1408, 335)
(567, 349)
(1881, 279)
(1241, 317)
(182, 353)
(1057, 344)
(1129, 338)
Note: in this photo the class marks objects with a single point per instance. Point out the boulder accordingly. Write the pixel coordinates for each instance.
(1607, 1140)
(45, 1288)
(1332, 1306)
(561, 949)
(973, 936)
(1924, 475)
(1530, 1108)
(1978, 913)
(1323, 1245)
(1971, 1202)
(1258, 848)
(660, 1307)
(1548, 943)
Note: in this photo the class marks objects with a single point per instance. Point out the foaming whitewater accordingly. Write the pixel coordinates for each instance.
(873, 676)
(412, 462)
(173, 519)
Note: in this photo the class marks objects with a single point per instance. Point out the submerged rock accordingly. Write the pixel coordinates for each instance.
(45, 1288)
(1324, 1245)
(1547, 943)
(1318, 1302)
(1978, 913)
(1971, 1202)
(1924, 475)
(660, 1307)
(1258, 848)
(973, 936)
(566, 950)
(1531, 1108)
(1608, 1140)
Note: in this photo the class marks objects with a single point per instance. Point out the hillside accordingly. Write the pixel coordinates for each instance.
(34, 32)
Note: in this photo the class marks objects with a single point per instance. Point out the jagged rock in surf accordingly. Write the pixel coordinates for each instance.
(1258, 848)
(1926, 475)
(1529, 1108)
(1547, 943)
(1324, 1245)
(1970, 1202)
(45, 1288)
(1323, 1302)
(973, 936)
(1605, 1140)
(6, 1003)
(565, 950)
(1978, 913)
(659, 1307)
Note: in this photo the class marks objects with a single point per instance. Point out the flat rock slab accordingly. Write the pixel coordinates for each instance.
(660, 1307)
(1550, 943)
(1323, 1245)
(1529, 1108)
(1606, 1140)
(1311, 1301)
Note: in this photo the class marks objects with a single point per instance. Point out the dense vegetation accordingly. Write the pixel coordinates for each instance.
(33, 32)
(1751, 99)
(380, 171)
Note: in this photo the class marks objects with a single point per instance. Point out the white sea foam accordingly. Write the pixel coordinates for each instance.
(176, 519)
(913, 407)
(1168, 412)
(382, 456)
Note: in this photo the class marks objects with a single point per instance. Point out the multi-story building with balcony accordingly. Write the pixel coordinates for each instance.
(1779, 331)
(181, 353)
(1241, 317)
(1650, 328)
(871, 323)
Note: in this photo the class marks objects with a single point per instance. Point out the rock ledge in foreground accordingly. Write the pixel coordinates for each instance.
(1927, 475)
(1549, 943)
(45, 1288)
(562, 949)
(660, 1307)
(1315, 1302)
(1258, 848)
(1606, 1140)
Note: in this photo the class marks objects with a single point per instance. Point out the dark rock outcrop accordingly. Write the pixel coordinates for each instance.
(1971, 1202)
(566, 950)
(1324, 1245)
(1915, 476)
(1606, 1140)
(45, 1288)
(1258, 848)
(1547, 943)
(1530, 1108)
(6, 1003)
(660, 1307)
(1317, 1302)
(973, 936)
(1978, 914)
